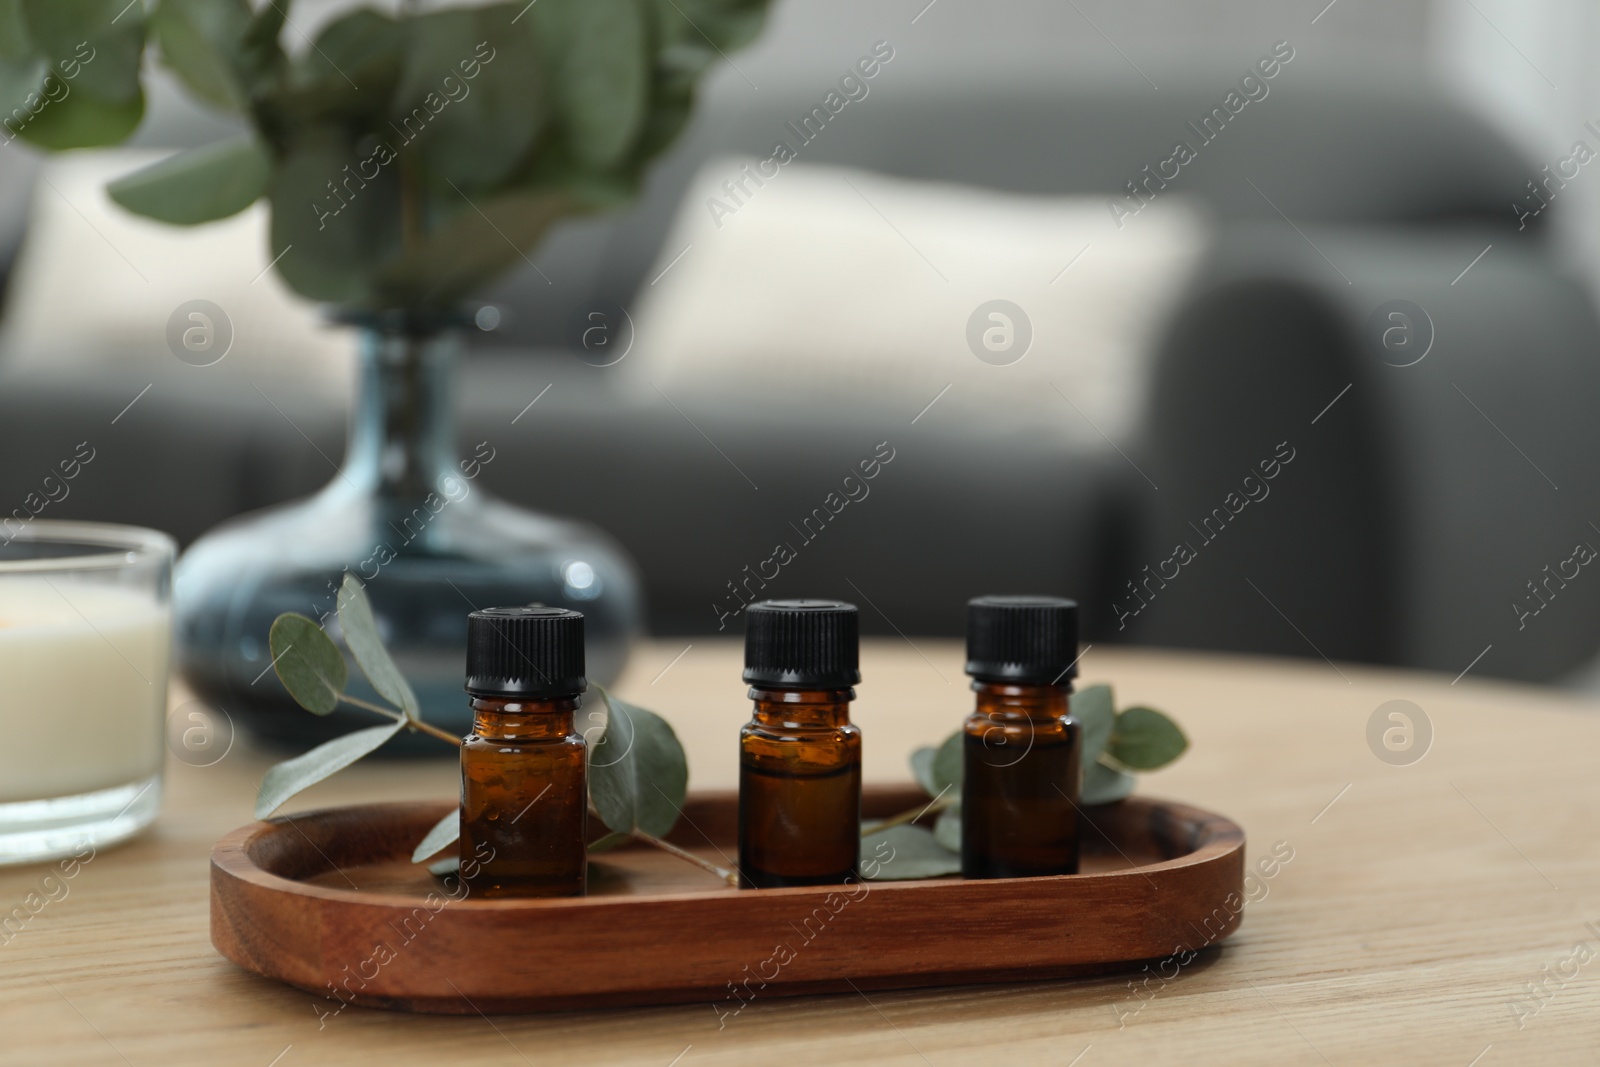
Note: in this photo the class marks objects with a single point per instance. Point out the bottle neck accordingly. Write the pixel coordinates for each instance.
(802, 708)
(1037, 702)
(402, 430)
(523, 720)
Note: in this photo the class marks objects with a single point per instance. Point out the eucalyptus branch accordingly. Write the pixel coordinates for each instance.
(569, 103)
(637, 784)
(1113, 744)
(399, 716)
(938, 803)
(410, 202)
(729, 877)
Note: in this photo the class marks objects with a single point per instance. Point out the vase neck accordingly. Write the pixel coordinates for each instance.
(402, 430)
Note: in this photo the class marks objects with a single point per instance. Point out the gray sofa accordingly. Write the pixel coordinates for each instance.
(1422, 504)
(1399, 533)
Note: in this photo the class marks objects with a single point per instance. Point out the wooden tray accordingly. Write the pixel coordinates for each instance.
(331, 903)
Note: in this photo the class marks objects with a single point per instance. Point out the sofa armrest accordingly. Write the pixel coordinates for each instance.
(1421, 500)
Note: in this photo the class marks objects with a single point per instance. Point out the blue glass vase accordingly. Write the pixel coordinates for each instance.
(408, 516)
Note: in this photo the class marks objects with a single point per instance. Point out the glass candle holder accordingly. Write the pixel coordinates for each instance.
(85, 641)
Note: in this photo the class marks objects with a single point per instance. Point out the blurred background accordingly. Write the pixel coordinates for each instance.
(1299, 362)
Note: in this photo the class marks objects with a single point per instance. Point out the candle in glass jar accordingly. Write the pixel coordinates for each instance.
(82, 687)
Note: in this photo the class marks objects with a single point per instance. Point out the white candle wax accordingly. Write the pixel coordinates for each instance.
(83, 683)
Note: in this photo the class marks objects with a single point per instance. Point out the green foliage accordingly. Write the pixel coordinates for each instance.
(334, 242)
(16, 45)
(445, 833)
(69, 71)
(109, 31)
(947, 765)
(83, 121)
(922, 769)
(474, 140)
(202, 42)
(1103, 784)
(915, 855)
(638, 775)
(609, 842)
(261, 54)
(598, 51)
(1092, 707)
(360, 629)
(349, 71)
(408, 159)
(1114, 743)
(474, 246)
(1146, 739)
(291, 776)
(308, 663)
(199, 185)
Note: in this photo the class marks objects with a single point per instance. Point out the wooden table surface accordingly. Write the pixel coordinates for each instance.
(1422, 904)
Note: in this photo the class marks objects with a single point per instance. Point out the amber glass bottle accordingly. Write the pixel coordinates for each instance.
(524, 791)
(1022, 769)
(800, 756)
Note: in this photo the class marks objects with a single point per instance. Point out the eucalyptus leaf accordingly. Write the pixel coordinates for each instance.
(905, 852)
(362, 46)
(948, 763)
(349, 72)
(16, 44)
(292, 776)
(199, 185)
(308, 663)
(21, 95)
(360, 629)
(922, 768)
(947, 829)
(599, 50)
(1092, 706)
(202, 42)
(79, 120)
(471, 99)
(105, 38)
(1146, 739)
(609, 842)
(340, 223)
(638, 775)
(260, 52)
(445, 832)
(1103, 784)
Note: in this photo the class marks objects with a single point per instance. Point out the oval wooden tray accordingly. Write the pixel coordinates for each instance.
(331, 903)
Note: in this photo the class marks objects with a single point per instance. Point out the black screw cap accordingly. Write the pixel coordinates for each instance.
(802, 644)
(1027, 640)
(525, 652)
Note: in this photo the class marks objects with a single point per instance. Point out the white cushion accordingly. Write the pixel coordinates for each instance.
(94, 287)
(845, 286)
